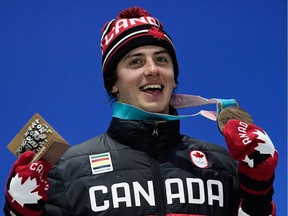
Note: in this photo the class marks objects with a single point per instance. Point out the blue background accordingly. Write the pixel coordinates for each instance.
(50, 63)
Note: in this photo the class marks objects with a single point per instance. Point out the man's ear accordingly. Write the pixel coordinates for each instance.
(114, 89)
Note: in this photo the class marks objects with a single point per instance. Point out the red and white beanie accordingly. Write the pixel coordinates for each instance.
(133, 27)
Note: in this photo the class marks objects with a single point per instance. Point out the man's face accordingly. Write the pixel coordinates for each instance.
(145, 79)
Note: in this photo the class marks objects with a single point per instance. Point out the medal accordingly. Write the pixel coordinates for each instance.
(232, 112)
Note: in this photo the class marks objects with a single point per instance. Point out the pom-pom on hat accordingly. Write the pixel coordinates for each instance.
(133, 27)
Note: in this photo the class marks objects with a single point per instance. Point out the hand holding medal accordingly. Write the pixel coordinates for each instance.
(252, 147)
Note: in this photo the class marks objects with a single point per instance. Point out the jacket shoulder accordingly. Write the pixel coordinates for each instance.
(77, 155)
(96, 144)
(203, 145)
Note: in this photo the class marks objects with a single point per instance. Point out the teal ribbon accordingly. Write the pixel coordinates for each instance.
(129, 112)
(224, 103)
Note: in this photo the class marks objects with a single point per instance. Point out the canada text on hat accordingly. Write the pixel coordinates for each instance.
(122, 25)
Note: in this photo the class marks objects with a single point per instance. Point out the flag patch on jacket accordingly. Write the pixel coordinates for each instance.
(101, 163)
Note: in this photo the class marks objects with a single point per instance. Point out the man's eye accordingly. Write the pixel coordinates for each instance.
(134, 62)
(162, 59)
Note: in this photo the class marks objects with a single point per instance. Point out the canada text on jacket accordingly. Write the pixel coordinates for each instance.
(210, 191)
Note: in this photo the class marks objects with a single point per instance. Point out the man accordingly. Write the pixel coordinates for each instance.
(142, 165)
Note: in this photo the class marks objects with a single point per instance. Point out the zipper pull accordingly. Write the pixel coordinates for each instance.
(155, 132)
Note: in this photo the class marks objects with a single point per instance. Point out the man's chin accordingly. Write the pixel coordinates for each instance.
(155, 108)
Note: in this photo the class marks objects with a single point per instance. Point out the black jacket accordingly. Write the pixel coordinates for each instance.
(144, 168)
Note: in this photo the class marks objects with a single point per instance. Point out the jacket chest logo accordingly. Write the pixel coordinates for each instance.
(101, 163)
(199, 159)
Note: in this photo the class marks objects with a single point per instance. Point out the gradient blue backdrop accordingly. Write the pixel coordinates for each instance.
(50, 63)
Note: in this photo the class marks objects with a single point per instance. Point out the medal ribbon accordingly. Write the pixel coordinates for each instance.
(129, 112)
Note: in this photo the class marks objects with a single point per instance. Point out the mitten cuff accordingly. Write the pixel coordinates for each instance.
(254, 187)
(258, 206)
(18, 210)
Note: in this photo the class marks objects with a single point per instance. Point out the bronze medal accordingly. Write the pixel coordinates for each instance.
(232, 112)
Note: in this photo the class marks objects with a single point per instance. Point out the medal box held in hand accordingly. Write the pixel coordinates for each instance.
(38, 136)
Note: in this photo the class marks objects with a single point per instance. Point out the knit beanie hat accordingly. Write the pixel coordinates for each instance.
(133, 27)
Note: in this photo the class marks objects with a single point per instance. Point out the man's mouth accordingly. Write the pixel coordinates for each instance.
(153, 88)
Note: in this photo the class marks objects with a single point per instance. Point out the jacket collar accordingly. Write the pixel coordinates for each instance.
(141, 134)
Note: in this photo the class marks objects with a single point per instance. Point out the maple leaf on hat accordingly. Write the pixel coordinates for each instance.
(156, 33)
(22, 193)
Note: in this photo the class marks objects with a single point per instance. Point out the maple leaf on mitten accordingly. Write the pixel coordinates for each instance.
(257, 157)
(23, 193)
(27, 186)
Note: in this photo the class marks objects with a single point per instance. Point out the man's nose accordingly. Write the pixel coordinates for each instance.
(151, 68)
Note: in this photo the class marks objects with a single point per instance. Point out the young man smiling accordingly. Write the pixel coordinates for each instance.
(143, 165)
(145, 79)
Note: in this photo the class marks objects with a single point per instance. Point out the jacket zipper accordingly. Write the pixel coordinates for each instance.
(158, 178)
(155, 132)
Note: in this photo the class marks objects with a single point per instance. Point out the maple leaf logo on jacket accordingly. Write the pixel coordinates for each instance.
(22, 193)
(199, 159)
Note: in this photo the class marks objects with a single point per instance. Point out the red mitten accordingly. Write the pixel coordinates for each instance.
(257, 157)
(27, 186)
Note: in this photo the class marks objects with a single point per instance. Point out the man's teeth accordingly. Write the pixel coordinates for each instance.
(151, 87)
